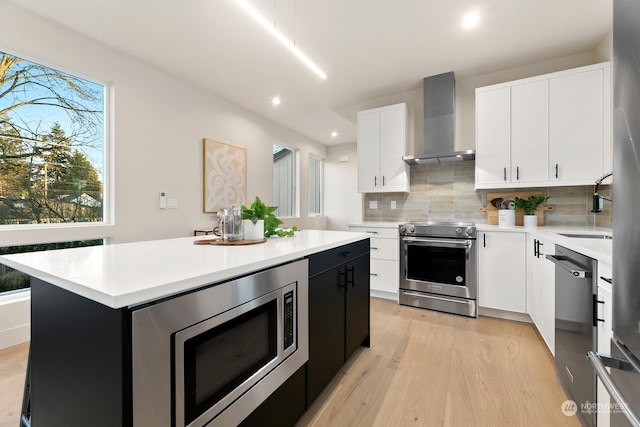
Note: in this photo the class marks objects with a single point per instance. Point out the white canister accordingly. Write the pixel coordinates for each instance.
(507, 217)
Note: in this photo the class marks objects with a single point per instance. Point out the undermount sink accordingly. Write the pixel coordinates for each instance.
(587, 236)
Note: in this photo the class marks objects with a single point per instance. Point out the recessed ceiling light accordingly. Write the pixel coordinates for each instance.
(470, 20)
(334, 134)
(275, 101)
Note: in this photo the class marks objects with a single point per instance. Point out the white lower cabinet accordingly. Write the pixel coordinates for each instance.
(541, 288)
(605, 333)
(502, 270)
(384, 262)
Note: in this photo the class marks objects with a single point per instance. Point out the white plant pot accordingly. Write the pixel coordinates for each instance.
(530, 221)
(253, 231)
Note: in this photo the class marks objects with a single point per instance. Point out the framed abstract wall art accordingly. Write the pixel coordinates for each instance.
(224, 175)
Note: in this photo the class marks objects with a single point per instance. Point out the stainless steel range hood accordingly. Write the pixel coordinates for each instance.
(439, 123)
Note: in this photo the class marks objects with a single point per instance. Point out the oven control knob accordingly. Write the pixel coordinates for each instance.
(468, 232)
(411, 229)
(403, 228)
(458, 230)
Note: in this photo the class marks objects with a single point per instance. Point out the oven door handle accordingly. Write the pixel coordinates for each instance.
(438, 242)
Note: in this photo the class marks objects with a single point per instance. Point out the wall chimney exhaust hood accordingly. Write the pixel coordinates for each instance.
(439, 123)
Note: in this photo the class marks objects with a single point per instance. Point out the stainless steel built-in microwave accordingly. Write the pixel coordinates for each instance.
(212, 356)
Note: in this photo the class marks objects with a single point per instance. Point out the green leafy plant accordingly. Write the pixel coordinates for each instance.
(531, 204)
(260, 211)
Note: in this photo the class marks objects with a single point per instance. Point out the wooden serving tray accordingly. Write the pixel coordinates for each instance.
(492, 211)
(218, 241)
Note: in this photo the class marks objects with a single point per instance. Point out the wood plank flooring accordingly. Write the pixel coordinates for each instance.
(423, 369)
(426, 368)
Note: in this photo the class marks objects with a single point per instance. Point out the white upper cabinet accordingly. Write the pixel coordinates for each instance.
(493, 136)
(548, 130)
(529, 133)
(576, 127)
(382, 141)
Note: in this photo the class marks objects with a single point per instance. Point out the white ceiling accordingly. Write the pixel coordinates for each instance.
(368, 48)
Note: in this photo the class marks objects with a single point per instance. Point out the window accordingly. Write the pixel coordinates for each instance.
(13, 280)
(315, 186)
(52, 145)
(285, 179)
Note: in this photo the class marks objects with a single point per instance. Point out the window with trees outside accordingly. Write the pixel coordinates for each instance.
(52, 153)
(52, 145)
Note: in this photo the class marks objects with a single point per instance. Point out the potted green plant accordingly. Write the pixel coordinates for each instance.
(530, 206)
(259, 221)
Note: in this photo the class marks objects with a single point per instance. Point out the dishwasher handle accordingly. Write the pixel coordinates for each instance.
(577, 271)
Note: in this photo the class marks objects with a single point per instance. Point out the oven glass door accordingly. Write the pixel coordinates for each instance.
(437, 261)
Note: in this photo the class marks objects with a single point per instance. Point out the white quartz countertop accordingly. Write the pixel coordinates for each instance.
(599, 249)
(129, 274)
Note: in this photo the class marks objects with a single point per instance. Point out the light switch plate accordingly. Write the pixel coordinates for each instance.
(173, 203)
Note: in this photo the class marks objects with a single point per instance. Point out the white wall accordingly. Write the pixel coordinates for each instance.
(158, 125)
(343, 203)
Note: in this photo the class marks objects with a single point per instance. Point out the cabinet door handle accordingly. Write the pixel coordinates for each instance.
(373, 274)
(375, 181)
(484, 240)
(371, 232)
(504, 173)
(596, 319)
(351, 281)
(346, 253)
(535, 248)
(373, 247)
(517, 173)
(556, 171)
(383, 181)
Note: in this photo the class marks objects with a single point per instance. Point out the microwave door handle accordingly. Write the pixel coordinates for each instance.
(436, 242)
(596, 361)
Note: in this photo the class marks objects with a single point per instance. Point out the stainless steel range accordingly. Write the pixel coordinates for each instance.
(438, 266)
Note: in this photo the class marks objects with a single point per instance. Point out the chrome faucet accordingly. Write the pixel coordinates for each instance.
(596, 196)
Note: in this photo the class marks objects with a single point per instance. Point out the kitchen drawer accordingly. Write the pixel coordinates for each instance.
(384, 275)
(331, 258)
(384, 248)
(391, 233)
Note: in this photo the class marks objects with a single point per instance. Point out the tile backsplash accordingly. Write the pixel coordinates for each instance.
(445, 192)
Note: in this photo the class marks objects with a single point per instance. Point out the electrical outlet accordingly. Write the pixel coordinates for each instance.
(393, 205)
(373, 204)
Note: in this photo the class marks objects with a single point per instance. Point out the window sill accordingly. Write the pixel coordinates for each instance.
(11, 235)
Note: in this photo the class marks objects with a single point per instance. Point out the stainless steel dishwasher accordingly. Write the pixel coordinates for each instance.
(575, 327)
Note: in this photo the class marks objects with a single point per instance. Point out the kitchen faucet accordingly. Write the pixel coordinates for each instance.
(596, 196)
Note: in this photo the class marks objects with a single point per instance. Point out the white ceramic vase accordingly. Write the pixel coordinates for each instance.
(253, 231)
(531, 221)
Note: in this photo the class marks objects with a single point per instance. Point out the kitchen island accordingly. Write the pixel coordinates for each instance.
(84, 299)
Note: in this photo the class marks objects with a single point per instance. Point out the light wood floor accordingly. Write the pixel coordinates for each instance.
(426, 368)
(423, 369)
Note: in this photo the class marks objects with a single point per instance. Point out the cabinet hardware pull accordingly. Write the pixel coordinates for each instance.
(375, 181)
(484, 240)
(352, 270)
(596, 319)
(535, 248)
(517, 173)
(556, 171)
(373, 274)
(504, 172)
(371, 232)
(346, 253)
(383, 181)
(373, 247)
